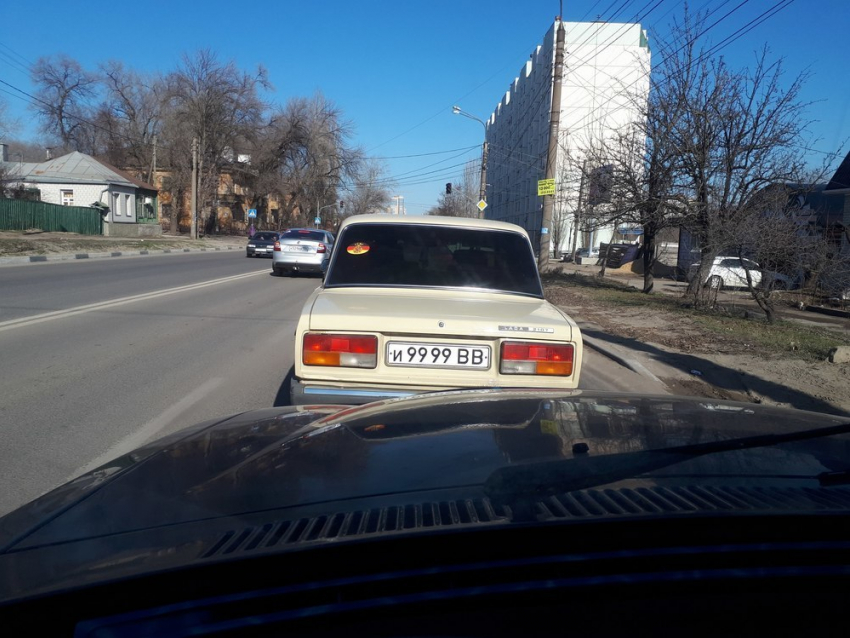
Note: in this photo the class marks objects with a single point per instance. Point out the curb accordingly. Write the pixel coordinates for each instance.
(635, 366)
(29, 259)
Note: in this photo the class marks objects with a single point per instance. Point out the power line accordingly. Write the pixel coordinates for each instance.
(453, 150)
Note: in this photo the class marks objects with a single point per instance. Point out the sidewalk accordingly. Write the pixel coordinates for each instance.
(213, 243)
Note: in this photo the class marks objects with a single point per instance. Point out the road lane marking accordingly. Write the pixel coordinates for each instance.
(150, 429)
(101, 305)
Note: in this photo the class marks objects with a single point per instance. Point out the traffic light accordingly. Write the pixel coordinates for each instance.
(341, 204)
(449, 188)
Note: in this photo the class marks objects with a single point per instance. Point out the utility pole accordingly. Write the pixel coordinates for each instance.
(152, 174)
(194, 228)
(482, 191)
(551, 155)
(577, 222)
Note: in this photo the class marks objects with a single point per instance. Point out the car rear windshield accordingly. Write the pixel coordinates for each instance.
(312, 235)
(428, 255)
(264, 237)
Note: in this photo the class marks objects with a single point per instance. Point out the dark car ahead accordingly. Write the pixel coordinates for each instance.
(262, 244)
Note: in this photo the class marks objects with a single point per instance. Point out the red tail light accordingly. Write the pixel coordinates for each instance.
(322, 249)
(277, 246)
(531, 357)
(342, 350)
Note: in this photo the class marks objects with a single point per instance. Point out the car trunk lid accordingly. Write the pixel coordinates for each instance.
(438, 313)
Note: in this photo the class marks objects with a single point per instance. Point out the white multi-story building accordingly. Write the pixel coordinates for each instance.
(605, 85)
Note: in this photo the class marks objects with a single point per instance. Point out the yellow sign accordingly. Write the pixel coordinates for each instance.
(545, 187)
(481, 205)
(547, 426)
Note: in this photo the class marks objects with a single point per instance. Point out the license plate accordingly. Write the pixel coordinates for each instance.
(297, 249)
(437, 355)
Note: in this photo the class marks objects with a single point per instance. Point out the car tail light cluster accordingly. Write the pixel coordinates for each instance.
(322, 249)
(340, 350)
(277, 246)
(530, 357)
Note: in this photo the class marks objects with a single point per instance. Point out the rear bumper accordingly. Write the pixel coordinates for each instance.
(311, 392)
(300, 264)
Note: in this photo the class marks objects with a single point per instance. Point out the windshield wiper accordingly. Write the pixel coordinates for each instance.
(517, 484)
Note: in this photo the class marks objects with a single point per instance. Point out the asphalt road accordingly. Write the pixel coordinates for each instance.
(100, 356)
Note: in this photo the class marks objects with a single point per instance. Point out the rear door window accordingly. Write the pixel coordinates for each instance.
(311, 235)
(434, 256)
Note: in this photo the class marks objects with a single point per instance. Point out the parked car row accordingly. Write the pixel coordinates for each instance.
(590, 255)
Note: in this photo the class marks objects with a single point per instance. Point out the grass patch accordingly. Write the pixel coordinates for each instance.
(731, 329)
(782, 337)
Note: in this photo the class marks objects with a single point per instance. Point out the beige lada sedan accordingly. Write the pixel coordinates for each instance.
(422, 304)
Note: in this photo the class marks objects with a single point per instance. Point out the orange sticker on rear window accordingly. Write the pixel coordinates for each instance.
(358, 248)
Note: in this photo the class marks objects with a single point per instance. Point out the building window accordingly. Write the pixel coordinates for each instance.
(115, 210)
(67, 198)
(125, 205)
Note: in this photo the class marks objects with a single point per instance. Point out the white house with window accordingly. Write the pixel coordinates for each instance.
(77, 179)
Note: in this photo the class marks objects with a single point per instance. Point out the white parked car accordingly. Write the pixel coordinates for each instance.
(729, 272)
(412, 305)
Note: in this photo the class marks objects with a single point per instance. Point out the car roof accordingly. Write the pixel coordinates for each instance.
(433, 220)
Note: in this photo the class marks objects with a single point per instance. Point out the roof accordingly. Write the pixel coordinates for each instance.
(841, 179)
(434, 220)
(73, 168)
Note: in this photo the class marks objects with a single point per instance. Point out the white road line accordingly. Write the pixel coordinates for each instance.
(101, 305)
(150, 429)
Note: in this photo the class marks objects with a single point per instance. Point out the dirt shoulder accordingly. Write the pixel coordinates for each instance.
(19, 244)
(722, 355)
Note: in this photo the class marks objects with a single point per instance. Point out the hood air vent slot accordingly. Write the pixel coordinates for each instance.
(579, 505)
(358, 524)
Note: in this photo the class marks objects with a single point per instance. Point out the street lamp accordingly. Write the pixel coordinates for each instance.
(482, 190)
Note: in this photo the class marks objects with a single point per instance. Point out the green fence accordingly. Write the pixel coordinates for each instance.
(19, 214)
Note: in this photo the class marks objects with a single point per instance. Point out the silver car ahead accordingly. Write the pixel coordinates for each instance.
(302, 250)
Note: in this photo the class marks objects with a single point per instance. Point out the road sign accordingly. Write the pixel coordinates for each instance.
(481, 205)
(545, 187)
(252, 212)
(318, 220)
(544, 231)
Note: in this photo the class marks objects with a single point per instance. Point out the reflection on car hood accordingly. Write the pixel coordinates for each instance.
(295, 462)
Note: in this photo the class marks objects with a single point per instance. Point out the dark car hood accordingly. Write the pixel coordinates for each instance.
(288, 463)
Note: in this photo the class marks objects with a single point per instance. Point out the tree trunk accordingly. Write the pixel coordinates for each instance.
(605, 259)
(176, 207)
(649, 257)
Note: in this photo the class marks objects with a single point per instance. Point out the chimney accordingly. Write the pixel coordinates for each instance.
(4, 152)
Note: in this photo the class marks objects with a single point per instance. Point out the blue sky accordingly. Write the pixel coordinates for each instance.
(395, 68)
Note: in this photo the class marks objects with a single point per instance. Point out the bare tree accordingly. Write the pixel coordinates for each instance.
(739, 136)
(217, 104)
(370, 191)
(65, 92)
(304, 157)
(131, 113)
